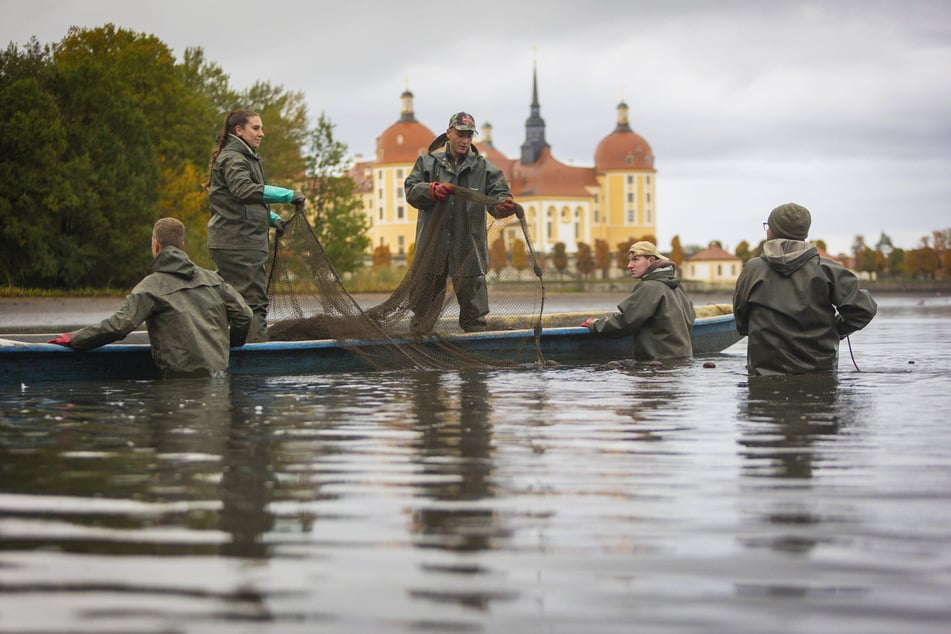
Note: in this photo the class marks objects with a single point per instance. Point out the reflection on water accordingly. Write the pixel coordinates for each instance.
(450, 415)
(681, 498)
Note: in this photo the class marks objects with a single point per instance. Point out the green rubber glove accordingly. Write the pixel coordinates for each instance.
(274, 194)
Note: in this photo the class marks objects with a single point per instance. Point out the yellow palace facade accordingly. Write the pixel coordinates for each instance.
(614, 200)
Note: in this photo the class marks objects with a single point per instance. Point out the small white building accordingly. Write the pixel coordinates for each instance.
(712, 265)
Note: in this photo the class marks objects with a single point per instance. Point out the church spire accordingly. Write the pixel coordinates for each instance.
(407, 115)
(622, 121)
(534, 126)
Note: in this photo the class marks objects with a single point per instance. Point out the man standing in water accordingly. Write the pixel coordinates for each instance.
(192, 315)
(658, 312)
(794, 305)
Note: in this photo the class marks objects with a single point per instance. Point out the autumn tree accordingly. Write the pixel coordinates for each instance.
(676, 251)
(382, 258)
(921, 262)
(743, 251)
(519, 256)
(498, 259)
(602, 257)
(622, 249)
(866, 260)
(896, 262)
(559, 258)
(584, 260)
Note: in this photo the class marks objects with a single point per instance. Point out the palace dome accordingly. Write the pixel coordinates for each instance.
(623, 149)
(406, 139)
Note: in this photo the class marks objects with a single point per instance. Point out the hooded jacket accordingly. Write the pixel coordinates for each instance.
(239, 217)
(795, 306)
(659, 315)
(463, 246)
(192, 316)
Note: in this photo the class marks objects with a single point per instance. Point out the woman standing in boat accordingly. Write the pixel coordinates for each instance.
(240, 216)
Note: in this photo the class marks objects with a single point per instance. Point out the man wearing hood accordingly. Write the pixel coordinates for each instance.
(451, 230)
(794, 305)
(658, 312)
(192, 315)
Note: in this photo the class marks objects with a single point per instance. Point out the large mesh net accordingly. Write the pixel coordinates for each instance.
(418, 324)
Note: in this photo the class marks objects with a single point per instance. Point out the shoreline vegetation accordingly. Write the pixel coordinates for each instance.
(369, 285)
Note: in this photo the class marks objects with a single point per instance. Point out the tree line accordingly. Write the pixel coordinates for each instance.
(105, 131)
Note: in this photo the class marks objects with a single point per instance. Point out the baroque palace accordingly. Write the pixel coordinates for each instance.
(613, 201)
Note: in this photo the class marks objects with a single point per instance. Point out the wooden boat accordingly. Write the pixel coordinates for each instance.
(26, 362)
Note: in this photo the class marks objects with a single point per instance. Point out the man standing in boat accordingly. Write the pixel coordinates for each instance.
(451, 230)
(192, 315)
(658, 312)
(794, 305)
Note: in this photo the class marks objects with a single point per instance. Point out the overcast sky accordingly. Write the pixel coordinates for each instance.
(844, 107)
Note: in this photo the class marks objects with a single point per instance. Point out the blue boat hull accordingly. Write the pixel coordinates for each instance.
(32, 362)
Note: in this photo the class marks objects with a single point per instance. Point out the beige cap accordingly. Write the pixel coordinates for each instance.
(645, 248)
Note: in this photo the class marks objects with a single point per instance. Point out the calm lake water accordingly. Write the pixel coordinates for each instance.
(679, 499)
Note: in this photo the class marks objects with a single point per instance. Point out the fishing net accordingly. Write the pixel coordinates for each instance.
(417, 325)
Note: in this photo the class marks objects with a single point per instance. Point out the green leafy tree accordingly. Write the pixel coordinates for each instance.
(896, 262)
(338, 220)
(35, 171)
(284, 115)
(584, 260)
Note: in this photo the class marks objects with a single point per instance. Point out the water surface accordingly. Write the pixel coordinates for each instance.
(584, 499)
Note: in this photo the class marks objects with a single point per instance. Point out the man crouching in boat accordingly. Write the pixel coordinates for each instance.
(192, 315)
(658, 312)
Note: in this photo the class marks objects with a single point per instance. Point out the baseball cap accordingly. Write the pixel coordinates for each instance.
(462, 121)
(645, 248)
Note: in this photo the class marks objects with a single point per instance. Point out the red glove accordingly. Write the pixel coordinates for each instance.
(440, 191)
(505, 209)
(588, 323)
(63, 340)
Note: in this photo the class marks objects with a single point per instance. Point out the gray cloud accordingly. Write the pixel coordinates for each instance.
(844, 106)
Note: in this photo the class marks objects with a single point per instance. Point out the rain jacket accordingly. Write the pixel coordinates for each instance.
(239, 216)
(466, 236)
(795, 306)
(192, 316)
(658, 313)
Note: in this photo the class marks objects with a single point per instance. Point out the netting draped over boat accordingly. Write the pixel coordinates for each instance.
(417, 325)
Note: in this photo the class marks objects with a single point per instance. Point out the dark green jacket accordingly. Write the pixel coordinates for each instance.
(463, 245)
(239, 217)
(795, 307)
(192, 315)
(659, 315)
